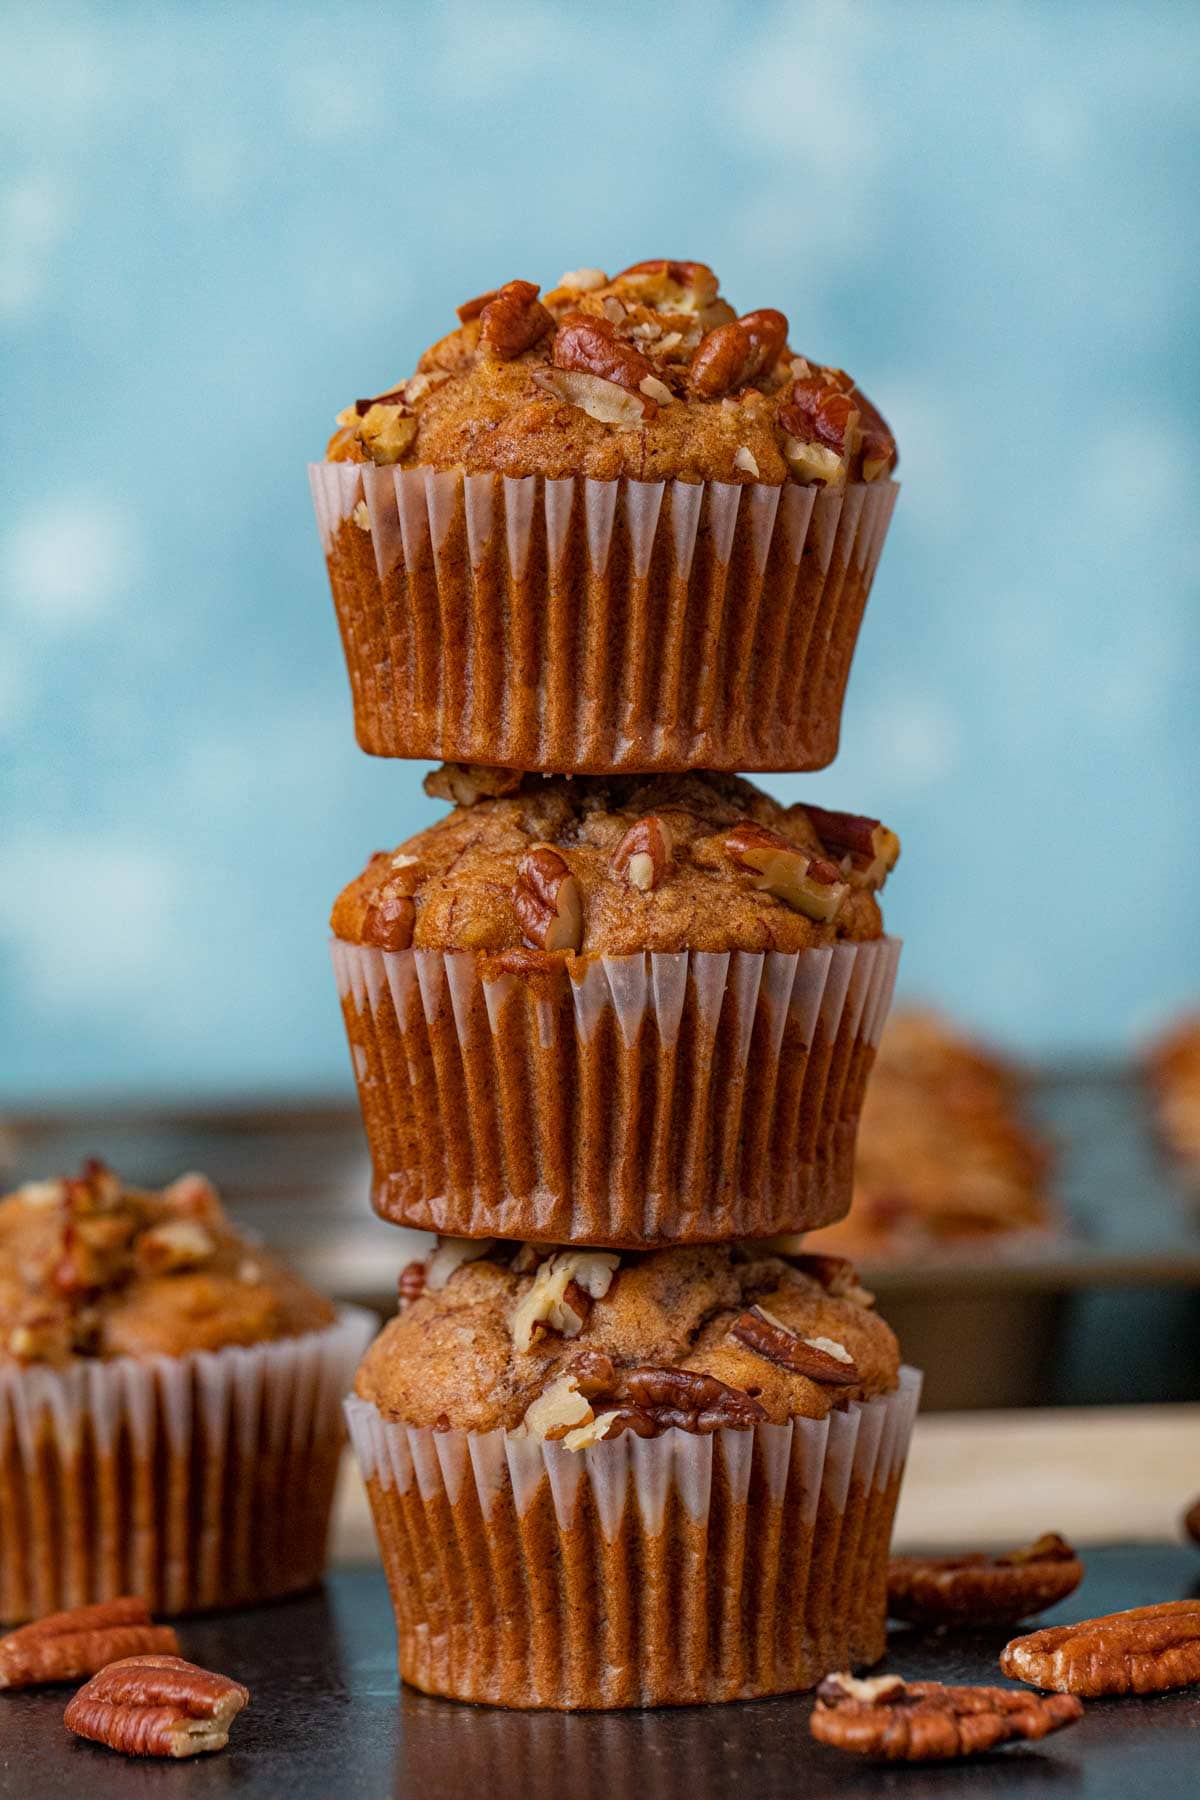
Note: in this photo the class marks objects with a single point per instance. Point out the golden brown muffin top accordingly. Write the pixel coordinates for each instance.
(582, 1344)
(92, 1268)
(650, 375)
(615, 864)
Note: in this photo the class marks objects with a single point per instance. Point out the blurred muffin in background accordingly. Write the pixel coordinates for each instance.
(169, 1402)
(1172, 1066)
(946, 1154)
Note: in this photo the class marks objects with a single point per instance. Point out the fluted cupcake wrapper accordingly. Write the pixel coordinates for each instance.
(642, 1100)
(637, 1572)
(194, 1481)
(589, 626)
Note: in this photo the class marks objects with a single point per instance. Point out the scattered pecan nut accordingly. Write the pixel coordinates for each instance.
(548, 902)
(867, 850)
(156, 1706)
(1144, 1651)
(808, 884)
(590, 345)
(976, 1589)
(643, 855)
(513, 320)
(65, 1646)
(820, 1359)
(925, 1721)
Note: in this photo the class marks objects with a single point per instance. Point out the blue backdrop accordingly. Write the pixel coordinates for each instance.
(217, 224)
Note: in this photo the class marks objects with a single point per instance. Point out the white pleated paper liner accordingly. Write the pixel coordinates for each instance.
(193, 1481)
(588, 626)
(637, 1572)
(641, 1100)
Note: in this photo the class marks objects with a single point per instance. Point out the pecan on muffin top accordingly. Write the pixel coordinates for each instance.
(650, 375)
(92, 1268)
(583, 1344)
(613, 865)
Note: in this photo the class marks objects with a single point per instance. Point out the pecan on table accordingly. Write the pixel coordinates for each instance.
(1143, 1651)
(65, 1646)
(925, 1721)
(977, 1589)
(156, 1706)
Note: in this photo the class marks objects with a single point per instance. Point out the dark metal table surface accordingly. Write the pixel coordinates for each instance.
(328, 1721)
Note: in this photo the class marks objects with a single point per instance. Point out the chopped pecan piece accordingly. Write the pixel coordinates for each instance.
(808, 884)
(65, 1646)
(975, 1589)
(176, 1244)
(465, 783)
(836, 1274)
(643, 855)
(156, 1706)
(560, 1296)
(451, 1253)
(868, 851)
(924, 1721)
(471, 309)
(591, 346)
(820, 1359)
(604, 401)
(513, 320)
(673, 286)
(681, 1397)
(546, 896)
(1144, 1651)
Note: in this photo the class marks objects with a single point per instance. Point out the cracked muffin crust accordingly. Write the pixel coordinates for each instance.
(650, 375)
(617, 865)
(92, 1268)
(583, 1344)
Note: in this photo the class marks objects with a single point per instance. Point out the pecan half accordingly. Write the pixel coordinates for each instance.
(65, 1646)
(591, 345)
(685, 1398)
(808, 884)
(411, 1284)
(976, 1589)
(673, 286)
(513, 320)
(471, 309)
(836, 1274)
(1144, 1651)
(868, 851)
(546, 896)
(925, 1721)
(643, 855)
(734, 354)
(812, 1357)
(156, 1706)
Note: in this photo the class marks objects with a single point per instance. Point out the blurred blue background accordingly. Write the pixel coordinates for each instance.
(218, 224)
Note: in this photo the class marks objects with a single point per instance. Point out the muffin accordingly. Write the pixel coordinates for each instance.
(169, 1402)
(615, 528)
(616, 1010)
(946, 1153)
(1172, 1069)
(606, 1480)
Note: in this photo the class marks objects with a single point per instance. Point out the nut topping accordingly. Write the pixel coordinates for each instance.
(1144, 1651)
(559, 1408)
(653, 1400)
(513, 320)
(976, 1589)
(924, 1721)
(643, 855)
(465, 783)
(156, 1706)
(836, 1274)
(451, 1254)
(591, 346)
(808, 884)
(548, 902)
(560, 1296)
(722, 361)
(601, 400)
(471, 309)
(820, 1359)
(868, 851)
(411, 1284)
(767, 330)
(177, 1244)
(387, 432)
(66, 1646)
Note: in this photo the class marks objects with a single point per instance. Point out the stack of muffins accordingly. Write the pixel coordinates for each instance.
(625, 1442)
